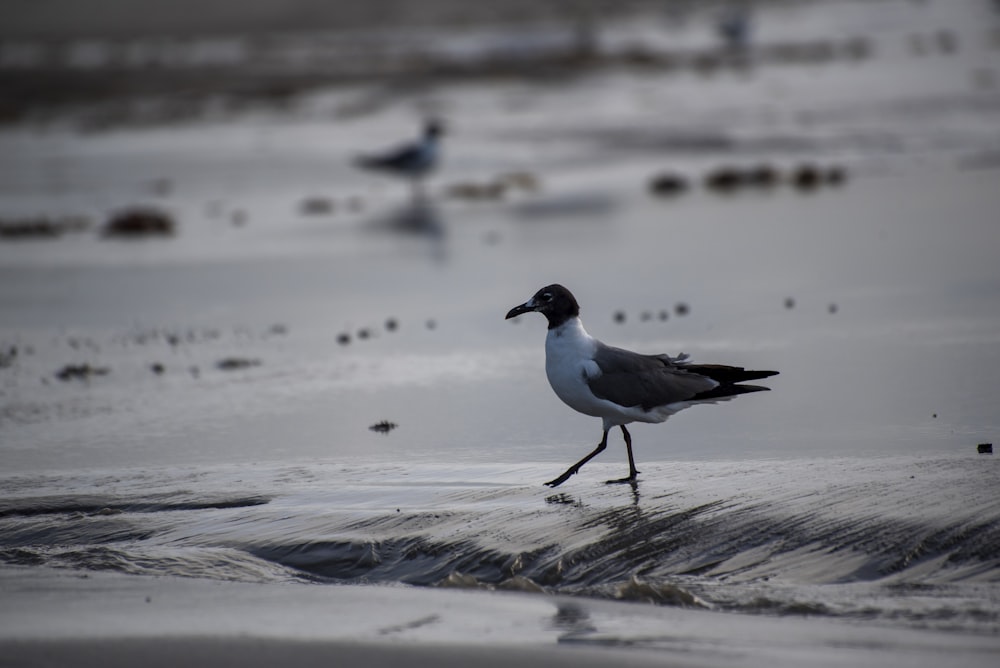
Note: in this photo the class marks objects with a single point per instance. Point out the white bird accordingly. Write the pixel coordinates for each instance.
(413, 161)
(620, 386)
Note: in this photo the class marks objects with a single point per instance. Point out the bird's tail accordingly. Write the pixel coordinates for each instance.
(728, 375)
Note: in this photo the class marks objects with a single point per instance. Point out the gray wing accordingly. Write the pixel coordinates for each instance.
(631, 379)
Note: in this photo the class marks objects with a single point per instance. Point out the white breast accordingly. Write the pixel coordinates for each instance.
(569, 353)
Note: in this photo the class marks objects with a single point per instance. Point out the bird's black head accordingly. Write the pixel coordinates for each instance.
(554, 301)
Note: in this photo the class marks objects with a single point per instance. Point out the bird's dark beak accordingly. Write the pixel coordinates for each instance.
(526, 307)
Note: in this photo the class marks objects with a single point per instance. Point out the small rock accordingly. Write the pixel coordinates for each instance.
(682, 309)
(343, 338)
(139, 222)
(41, 227)
(364, 333)
(806, 178)
(832, 308)
(789, 302)
(157, 368)
(391, 325)
(985, 448)
(724, 180)
(316, 206)
(619, 317)
(8, 358)
(236, 363)
(668, 184)
(383, 427)
(835, 176)
(761, 176)
(80, 372)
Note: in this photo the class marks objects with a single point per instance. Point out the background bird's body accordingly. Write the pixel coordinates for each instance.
(413, 161)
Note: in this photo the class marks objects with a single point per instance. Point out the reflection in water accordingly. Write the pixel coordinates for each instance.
(419, 218)
(573, 620)
(571, 205)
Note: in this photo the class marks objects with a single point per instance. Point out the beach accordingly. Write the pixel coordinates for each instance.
(258, 405)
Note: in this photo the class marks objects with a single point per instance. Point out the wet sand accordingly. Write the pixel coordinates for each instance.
(253, 652)
(198, 402)
(120, 620)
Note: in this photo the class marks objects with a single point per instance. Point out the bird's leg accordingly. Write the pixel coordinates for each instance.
(576, 467)
(632, 473)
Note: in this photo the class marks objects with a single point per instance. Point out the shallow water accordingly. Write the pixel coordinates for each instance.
(851, 491)
(903, 540)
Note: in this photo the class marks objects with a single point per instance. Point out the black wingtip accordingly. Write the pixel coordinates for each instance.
(722, 373)
(723, 391)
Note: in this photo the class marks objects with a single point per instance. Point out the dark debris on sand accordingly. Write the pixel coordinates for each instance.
(81, 372)
(139, 222)
(383, 427)
(236, 363)
(42, 227)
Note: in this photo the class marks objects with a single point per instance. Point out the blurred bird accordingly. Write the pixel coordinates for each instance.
(412, 161)
(734, 27)
(620, 386)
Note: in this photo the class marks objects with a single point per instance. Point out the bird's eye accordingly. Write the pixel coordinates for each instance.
(546, 297)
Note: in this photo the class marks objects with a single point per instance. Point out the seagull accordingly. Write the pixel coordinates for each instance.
(620, 386)
(413, 161)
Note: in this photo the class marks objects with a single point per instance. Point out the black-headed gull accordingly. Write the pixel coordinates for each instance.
(620, 386)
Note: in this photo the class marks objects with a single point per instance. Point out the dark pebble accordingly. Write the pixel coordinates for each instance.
(343, 338)
(619, 317)
(41, 227)
(789, 302)
(832, 308)
(762, 176)
(139, 222)
(316, 206)
(806, 178)
(383, 427)
(80, 372)
(835, 176)
(664, 315)
(236, 363)
(391, 325)
(682, 309)
(668, 184)
(364, 333)
(157, 368)
(724, 180)
(985, 448)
